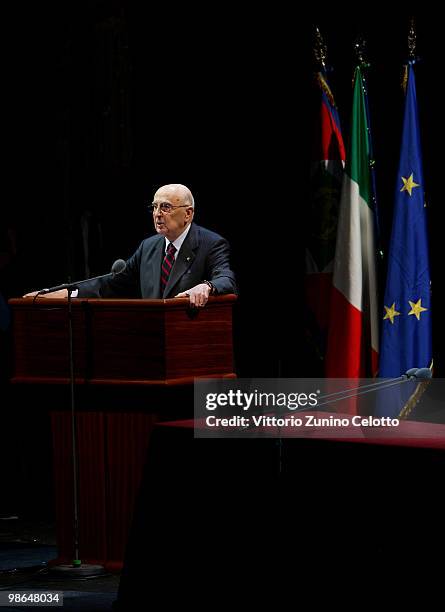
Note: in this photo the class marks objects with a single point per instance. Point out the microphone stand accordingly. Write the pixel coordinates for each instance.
(76, 568)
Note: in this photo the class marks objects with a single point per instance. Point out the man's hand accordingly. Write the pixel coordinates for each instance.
(63, 293)
(199, 294)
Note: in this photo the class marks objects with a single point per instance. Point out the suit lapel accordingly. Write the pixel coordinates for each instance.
(184, 260)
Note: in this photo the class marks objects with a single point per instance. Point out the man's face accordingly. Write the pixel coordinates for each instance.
(171, 224)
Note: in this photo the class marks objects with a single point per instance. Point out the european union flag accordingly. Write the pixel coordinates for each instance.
(406, 340)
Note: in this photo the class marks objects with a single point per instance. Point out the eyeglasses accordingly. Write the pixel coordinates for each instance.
(165, 207)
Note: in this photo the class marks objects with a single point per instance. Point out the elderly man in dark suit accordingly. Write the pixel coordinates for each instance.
(182, 260)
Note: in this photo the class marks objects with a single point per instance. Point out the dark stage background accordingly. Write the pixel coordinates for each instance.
(106, 101)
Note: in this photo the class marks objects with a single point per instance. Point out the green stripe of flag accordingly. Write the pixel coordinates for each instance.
(357, 162)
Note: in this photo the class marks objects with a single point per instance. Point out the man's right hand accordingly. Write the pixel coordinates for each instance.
(63, 293)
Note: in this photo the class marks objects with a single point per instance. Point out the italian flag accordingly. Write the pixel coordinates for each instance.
(352, 350)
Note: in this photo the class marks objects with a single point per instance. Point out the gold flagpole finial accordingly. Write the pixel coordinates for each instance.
(320, 49)
(412, 40)
(360, 51)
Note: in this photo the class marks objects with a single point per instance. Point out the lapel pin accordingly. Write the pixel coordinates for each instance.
(188, 258)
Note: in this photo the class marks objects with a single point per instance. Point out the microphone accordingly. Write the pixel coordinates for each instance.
(117, 268)
(423, 374)
(412, 372)
(410, 375)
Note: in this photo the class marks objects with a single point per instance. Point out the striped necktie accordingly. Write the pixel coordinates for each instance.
(167, 265)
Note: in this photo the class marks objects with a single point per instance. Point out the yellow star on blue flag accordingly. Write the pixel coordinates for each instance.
(409, 184)
(391, 313)
(416, 308)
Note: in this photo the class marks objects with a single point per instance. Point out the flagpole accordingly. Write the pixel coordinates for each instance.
(408, 280)
(360, 49)
(327, 168)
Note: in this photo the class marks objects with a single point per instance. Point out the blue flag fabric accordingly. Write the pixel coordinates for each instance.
(406, 340)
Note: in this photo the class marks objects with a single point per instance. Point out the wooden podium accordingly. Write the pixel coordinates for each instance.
(135, 362)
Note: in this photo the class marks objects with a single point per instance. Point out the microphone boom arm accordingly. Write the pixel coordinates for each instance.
(117, 268)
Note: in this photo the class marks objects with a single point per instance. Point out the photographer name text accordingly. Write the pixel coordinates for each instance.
(307, 420)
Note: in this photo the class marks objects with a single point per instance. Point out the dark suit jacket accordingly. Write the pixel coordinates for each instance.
(204, 255)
